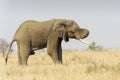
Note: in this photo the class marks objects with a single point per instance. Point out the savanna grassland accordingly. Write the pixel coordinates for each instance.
(77, 65)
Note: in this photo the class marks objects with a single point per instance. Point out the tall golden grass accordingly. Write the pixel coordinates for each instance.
(77, 65)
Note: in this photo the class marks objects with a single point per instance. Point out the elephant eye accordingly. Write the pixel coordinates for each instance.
(62, 24)
(74, 31)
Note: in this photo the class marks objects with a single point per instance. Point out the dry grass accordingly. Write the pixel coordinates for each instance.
(78, 65)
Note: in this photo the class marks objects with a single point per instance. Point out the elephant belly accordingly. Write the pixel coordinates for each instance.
(38, 42)
(39, 46)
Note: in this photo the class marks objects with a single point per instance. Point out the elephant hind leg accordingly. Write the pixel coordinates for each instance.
(19, 57)
(24, 53)
(24, 60)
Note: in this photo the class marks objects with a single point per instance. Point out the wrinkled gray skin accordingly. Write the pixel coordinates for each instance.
(33, 35)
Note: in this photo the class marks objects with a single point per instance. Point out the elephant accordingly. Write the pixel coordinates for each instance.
(34, 35)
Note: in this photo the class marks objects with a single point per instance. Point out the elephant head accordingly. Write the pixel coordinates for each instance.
(70, 29)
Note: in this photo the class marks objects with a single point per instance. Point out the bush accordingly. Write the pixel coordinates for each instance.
(3, 46)
(95, 47)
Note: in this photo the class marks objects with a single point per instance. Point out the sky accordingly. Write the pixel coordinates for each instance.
(100, 17)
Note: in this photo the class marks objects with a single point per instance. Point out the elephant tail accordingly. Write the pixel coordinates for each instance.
(9, 49)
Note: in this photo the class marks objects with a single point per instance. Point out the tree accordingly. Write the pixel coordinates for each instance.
(92, 46)
(95, 47)
(3, 46)
(99, 48)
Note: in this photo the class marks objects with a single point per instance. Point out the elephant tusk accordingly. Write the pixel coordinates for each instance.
(85, 42)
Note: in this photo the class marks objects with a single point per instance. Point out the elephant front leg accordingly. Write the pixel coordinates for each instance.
(56, 56)
(54, 49)
(60, 53)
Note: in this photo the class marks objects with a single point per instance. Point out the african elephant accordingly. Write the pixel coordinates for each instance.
(34, 35)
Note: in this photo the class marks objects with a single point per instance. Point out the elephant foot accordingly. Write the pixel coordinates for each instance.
(32, 53)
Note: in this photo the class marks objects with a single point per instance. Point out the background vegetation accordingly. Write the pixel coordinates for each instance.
(77, 65)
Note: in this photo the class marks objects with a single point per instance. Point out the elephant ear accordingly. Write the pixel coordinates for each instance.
(61, 27)
(65, 36)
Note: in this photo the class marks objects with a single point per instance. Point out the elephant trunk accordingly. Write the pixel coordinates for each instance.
(84, 33)
(81, 34)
